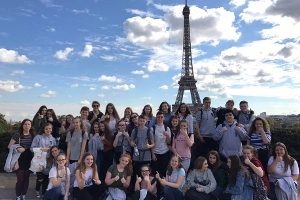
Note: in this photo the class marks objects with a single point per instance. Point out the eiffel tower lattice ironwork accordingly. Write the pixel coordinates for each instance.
(187, 80)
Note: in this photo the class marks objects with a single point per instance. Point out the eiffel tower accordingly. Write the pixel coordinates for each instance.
(187, 80)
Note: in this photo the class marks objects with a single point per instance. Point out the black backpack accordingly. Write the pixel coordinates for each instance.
(82, 133)
(148, 134)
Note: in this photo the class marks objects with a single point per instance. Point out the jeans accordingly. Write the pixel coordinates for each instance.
(55, 194)
(172, 193)
(272, 194)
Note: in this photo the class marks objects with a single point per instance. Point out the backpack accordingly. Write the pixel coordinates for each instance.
(259, 188)
(82, 133)
(166, 128)
(148, 134)
(201, 112)
(249, 115)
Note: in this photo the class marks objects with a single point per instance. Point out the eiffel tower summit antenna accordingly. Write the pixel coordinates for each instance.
(187, 80)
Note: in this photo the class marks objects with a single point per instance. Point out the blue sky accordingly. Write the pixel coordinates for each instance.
(65, 54)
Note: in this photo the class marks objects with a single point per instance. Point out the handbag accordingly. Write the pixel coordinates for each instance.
(119, 148)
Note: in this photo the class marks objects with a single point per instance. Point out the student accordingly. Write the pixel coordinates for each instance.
(118, 178)
(95, 114)
(245, 115)
(59, 184)
(160, 152)
(142, 141)
(44, 141)
(220, 172)
(183, 112)
(24, 138)
(260, 139)
(56, 125)
(240, 186)
(145, 185)
(174, 128)
(108, 149)
(87, 183)
(174, 181)
(253, 165)
(39, 119)
(147, 112)
(121, 141)
(220, 112)
(165, 108)
(283, 174)
(76, 140)
(201, 180)
(84, 113)
(111, 117)
(182, 143)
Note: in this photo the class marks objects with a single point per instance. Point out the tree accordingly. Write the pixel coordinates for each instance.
(3, 123)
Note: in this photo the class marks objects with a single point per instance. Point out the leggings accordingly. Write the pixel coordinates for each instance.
(22, 181)
(41, 180)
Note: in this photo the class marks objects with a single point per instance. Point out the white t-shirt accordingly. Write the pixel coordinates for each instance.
(53, 173)
(161, 146)
(88, 178)
(279, 170)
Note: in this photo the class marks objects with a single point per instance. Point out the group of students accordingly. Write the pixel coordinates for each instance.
(151, 157)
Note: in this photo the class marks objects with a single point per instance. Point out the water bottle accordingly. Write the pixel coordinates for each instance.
(136, 151)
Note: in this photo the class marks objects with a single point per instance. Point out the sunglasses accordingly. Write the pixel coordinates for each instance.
(143, 171)
(122, 124)
(135, 116)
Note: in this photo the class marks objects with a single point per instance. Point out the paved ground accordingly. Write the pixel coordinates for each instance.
(9, 194)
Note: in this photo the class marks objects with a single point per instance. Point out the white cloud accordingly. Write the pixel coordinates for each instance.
(81, 11)
(63, 54)
(51, 30)
(140, 13)
(11, 86)
(11, 56)
(146, 31)
(43, 16)
(100, 95)
(48, 94)
(145, 76)
(37, 85)
(108, 58)
(110, 79)
(138, 72)
(157, 66)
(146, 98)
(124, 87)
(74, 85)
(92, 88)
(105, 87)
(18, 72)
(87, 52)
(237, 3)
(164, 87)
(84, 103)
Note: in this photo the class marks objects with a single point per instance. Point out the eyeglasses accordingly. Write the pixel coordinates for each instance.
(135, 116)
(160, 117)
(144, 171)
(95, 106)
(122, 125)
(61, 160)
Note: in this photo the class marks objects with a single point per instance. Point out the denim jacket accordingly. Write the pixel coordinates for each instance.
(243, 189)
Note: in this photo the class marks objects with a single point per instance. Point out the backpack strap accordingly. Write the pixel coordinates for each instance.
(238, 116)
(148, 136)
(154, 126)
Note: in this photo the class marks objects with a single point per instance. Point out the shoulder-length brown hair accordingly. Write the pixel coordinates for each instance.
(287, 159)
(31, 130)
(236, 166)
(81, 167)
(170, 169)
(107, 133)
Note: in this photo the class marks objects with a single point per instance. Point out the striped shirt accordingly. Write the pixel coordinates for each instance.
(257, 142)
(25, 141)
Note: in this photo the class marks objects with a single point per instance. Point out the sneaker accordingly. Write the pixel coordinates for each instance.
(37, 194)
(23, 197)
(18, 198)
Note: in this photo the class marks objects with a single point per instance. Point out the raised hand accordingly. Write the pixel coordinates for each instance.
(163, 181)
(117, 177)
(279, 158)
(157, 176)
(123, 180)
(40, 116)
(166, 133)
(83, 175)
(260, 130)
(97, 182)
(138, 179)
(247, 161)
(147, 178)
(224, 128)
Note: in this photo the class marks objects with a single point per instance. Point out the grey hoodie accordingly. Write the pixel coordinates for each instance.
(42, 141)
(230, 140)
(206, 177)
